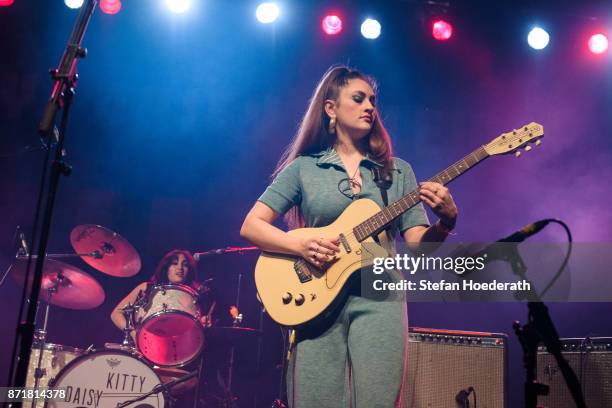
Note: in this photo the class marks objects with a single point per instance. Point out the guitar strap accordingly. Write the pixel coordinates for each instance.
(383, 181)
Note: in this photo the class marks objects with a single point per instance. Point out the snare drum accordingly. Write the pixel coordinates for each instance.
(54, 358)
(169, 332)
(106, 378)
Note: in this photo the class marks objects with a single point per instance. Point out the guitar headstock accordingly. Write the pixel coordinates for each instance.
(511, 142)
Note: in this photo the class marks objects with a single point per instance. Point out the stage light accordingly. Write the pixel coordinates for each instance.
(370, 29)
(6, 3)
(538, 38)
(267, 13)
(73, 4)
(441, 30)
(598, 43)
(331, 24)
(178, 6)
(110, 6)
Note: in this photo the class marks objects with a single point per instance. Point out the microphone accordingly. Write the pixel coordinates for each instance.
(527, 231)
(493, 250)
(199, 255)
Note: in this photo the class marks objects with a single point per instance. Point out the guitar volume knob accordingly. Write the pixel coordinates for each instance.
(299, 299)
(287, 298)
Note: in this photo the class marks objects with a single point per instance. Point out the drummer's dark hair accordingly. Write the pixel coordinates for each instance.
(160, 276)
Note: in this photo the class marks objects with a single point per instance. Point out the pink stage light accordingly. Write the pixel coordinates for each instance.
(441, 30)
(598, 43)
(6, 3)
(110, 6)
(331, 25)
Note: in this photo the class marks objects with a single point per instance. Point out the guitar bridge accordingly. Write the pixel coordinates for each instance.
(302, 269)
(345, 243)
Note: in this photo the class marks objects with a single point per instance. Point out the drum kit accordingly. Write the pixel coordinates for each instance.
(166, 320)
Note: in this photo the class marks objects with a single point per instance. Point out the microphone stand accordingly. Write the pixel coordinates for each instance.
(221, 251)
(65, 78)
(539, 328)
(163, 387)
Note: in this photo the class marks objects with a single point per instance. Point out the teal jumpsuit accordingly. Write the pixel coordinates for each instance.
(357, 356)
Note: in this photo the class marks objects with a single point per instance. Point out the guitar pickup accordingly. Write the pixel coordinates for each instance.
(345, 243)
(302, 269)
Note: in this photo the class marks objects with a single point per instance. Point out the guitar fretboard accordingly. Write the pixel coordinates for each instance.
(379, 221)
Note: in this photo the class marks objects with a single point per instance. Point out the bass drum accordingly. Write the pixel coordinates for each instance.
(104, 379)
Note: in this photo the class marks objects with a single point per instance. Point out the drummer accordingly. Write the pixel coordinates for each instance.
(176, 267)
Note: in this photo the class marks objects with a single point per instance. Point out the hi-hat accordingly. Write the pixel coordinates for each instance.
(117, 257)
(75, 289)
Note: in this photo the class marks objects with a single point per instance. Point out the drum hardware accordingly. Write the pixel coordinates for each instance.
(162, 387)
(128, 314)
(39, 372)
(93, 254)
(42, 334)
(62, 285)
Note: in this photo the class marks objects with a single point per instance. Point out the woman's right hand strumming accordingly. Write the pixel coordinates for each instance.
(258, 228)
(319, 251)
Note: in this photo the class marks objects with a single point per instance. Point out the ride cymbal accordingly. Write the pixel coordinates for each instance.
(117, 256)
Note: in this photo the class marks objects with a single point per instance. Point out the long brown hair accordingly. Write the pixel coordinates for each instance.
(160, 276)
(313, 136)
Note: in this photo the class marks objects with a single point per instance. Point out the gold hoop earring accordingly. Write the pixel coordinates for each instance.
(332, 126)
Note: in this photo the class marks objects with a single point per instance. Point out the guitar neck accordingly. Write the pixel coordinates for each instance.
(381, 220)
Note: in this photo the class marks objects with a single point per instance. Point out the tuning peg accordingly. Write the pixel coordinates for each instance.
(527, 148)
(538, 142)
(517, 153)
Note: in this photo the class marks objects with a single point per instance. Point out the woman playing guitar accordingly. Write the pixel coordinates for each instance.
(358, 353)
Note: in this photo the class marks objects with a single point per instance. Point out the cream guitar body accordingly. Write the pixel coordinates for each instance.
(295, 292)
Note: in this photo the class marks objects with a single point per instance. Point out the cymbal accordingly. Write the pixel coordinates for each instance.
(76, 290)
(119, 258)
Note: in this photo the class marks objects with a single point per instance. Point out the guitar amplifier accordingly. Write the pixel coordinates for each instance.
(443, 363)
(591, 360)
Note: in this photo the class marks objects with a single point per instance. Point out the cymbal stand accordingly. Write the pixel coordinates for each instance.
(93, 254)
(128, 314)
(42, 334)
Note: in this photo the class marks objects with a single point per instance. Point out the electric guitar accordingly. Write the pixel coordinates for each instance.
(295, 292)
